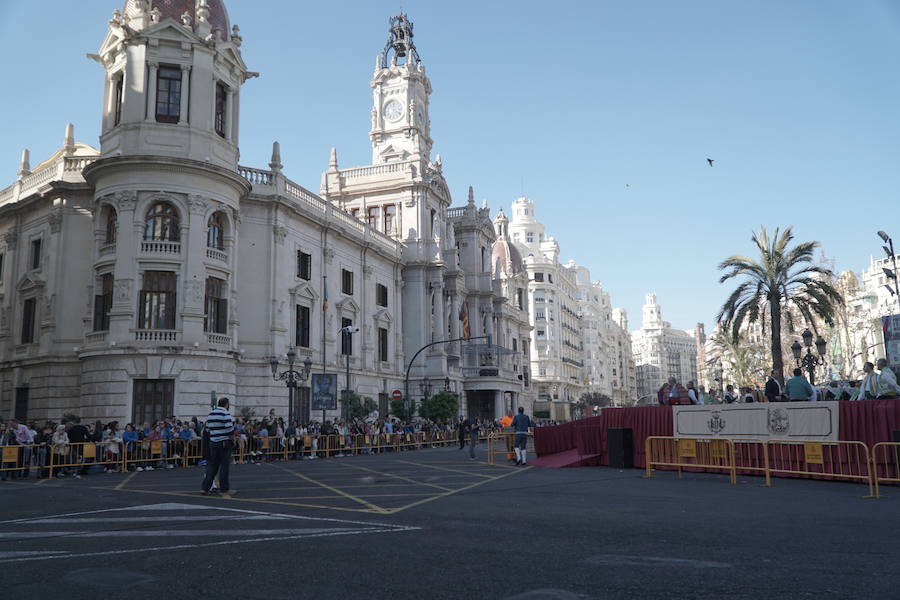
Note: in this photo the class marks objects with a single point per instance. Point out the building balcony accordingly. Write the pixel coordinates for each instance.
(216, 254)
(218, 339)
(95, 337)
(107, 248)
(156, 335)
(160, 247)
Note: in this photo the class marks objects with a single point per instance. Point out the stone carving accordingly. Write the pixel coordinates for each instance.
(197, 204)
(125, 200)
(186, 19)
(155, 14)
(11, 238)
(55, 220)
(4, 318)
(280, 233)
(374, 118)
(236, 38)
(122, 290)
(329, 255)
(279, 314)
(367, 271)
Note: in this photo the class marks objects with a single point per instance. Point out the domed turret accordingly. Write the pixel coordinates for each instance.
(186, 12)
(505, 257)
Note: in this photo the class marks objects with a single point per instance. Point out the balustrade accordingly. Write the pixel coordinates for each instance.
(217, 339)
(216, 254)
(374, 170)
(108, 248)
(156, 335)
(159, 247)
(95, 337)
(256, 176)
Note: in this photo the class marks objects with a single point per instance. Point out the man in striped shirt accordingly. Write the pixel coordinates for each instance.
(220, 426)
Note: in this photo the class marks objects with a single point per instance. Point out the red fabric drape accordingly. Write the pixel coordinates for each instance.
(868, 421)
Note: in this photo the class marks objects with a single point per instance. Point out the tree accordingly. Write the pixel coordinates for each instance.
(780, 280)
(442, 406)
(400, 409)
(745, 359)
(356, 407)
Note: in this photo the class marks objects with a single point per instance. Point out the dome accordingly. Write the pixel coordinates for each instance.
(173, 9)
(506, 258)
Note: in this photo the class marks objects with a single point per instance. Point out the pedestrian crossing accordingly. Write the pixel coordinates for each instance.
(160, 527)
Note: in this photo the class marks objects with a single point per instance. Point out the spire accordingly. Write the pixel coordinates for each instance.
(400, 35)
(25, 164)
(332, 161)
(275, 163)
(69, 143)
(471, 196)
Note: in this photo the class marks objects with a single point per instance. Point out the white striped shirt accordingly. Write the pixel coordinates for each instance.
(220, 424)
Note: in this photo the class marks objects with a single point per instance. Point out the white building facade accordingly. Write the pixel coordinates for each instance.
(660, 352)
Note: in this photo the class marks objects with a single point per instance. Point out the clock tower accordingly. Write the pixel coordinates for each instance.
(400, 90)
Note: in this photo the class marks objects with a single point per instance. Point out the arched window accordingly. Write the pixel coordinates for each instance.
(112, 225)
(161, 223)
(215, 231)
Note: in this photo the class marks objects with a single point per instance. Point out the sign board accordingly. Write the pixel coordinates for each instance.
(890, 327)
(687, 448)
(397, 395)
(324, 391)
(800, 421)
(813, 453)
(718, 449)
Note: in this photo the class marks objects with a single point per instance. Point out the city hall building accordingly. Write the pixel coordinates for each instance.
(138, 279)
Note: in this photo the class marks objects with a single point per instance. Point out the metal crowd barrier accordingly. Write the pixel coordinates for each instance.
(19, 459)
(80, 456)
(690, 453)
(841, 460)
(886, 470)
(502, 443)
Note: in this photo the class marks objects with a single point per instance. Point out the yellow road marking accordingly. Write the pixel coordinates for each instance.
(126, 480)
(450, 493)
(330, 488)
(445, 469)
(41, 481)
(434, 485)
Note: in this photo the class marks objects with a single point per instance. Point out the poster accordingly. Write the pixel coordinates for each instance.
(324, 391)
(890, 327)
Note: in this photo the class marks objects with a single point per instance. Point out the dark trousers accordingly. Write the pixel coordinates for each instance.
(462, 439)
(219, 462)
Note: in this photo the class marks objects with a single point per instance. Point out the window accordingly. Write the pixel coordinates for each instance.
(381, 295)
(373, 217)
(520, 298)
(354, 212)
(1, 268)
(157, 300)
(112, 225)
(153, 399)
(539, 277)
(103, 303)
(433, 214)
(161, 223)
(539, 314)
(221, 96)
(168, 94)
(304, 265)
(347, 282)
(215, 319)
(346, 337)
(117, 107)
(382, 344)
(21, 410)
(515, 343)
(215, 231)
(390, 214)
(550, 277)
(36, 254)
(302, 332)
(529, 237)
(541, 333)
(28, 313)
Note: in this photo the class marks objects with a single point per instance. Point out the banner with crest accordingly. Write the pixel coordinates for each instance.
(800, 421)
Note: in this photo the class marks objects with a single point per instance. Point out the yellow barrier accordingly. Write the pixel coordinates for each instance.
(22, 457)
(154, 454)
(891, 452)
(83, 455)
(688, 453)
(838, 460)
(506, 440)
(752, 455)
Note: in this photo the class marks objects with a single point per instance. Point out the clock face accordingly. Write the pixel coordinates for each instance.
(393, 110)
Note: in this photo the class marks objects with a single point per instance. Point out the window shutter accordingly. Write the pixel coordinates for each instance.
(222, 317)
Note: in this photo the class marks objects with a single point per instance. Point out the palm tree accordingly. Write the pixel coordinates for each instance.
(780, 284)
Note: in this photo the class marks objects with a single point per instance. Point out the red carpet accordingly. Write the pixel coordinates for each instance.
(569, 458)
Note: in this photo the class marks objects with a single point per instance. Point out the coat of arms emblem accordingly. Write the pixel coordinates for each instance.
(778, 421)
(716, 423)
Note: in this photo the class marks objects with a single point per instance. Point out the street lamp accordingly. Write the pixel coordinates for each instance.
(890, 273)
(346, 340)
(290, 377)
(425, 388)
(809, 360)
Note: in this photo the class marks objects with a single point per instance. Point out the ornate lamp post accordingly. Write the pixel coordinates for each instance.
(720, 377)
(891, 274)
(809, 360)
(291, 377)
(346, 332)
(425, 388)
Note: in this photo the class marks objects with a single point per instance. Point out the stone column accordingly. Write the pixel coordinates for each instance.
(151, 92)
(454, 322)
(498, 404)
(185, 94)
(126, 279)
(440, 325)
(229, 119)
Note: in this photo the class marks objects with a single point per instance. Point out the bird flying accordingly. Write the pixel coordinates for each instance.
(710, 161)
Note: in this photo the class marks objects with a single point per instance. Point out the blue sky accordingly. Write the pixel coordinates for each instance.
(798, 103)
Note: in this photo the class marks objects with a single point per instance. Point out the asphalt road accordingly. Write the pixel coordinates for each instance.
(432, 524)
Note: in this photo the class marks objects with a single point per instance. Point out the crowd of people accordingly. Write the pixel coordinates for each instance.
(880, 384)
(178, 442)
